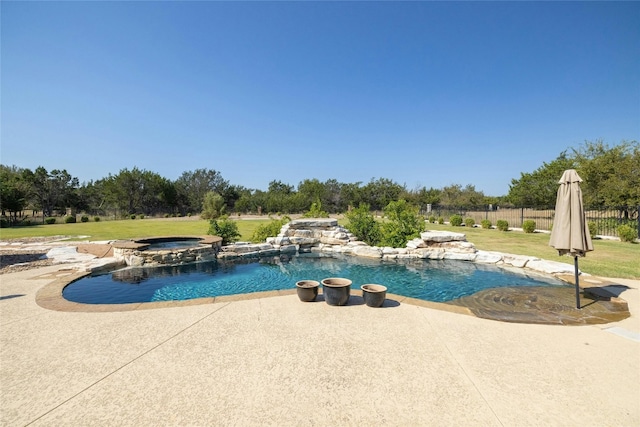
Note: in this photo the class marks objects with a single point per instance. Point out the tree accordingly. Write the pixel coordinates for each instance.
(52, 190)
(213, 206)
(310, 191)
(192, 186)
(611, 175)
(422, 197)
(351, 195)
(457, 196)
(13, 192)
(540, 187)
(379, 193)
(280, 198)
(333, 200)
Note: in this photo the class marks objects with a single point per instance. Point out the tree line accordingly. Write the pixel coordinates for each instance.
(611, 178)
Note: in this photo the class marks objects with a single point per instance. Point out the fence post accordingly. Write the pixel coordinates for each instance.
(521, 216)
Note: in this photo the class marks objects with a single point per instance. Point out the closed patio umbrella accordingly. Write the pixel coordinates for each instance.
(570, 234)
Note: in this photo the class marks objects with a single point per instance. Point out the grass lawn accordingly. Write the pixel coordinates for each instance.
(609, 258)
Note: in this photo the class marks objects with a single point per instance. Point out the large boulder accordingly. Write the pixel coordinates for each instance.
(442, 236)
(313, 223)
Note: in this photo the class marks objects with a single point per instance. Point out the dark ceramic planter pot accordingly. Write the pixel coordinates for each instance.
(374, 295)
(307, 290)
(336, 290)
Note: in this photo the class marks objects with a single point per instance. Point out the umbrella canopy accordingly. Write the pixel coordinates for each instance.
(570, 234)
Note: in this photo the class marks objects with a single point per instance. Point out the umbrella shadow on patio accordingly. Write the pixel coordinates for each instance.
(605, 293)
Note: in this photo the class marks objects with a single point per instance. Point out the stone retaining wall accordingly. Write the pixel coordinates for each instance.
(135, 254)
(325, 235)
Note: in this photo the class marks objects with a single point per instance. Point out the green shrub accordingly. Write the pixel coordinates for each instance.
(502, 225)
(486, 223)
(402, 224)
(188, 214)
(469, 222)
(50, 220)
(363, 225)
(167, 215)
(132, 216)
(271, 229)
(627, 233)
(225, 228)
(84, 218)
(26, 222)
(455, 220)
(593, 228)
(70, 219)
(432, 219)
(96, 218)
(440, 220)
(4, 223)
(141, 216)
(529, 226)
(316, 211)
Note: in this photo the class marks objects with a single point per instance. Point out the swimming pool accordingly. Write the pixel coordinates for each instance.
(429, 280)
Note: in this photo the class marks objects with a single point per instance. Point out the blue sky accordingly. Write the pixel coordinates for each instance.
(423, 93)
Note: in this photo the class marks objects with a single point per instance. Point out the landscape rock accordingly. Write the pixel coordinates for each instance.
(442, 236)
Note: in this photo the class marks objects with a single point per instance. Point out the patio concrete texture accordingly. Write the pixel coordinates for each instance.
(278, 361)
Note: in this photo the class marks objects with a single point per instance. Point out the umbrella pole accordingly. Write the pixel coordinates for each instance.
(577, 283)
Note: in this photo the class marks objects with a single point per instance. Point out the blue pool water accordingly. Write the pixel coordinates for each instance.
(424, 279)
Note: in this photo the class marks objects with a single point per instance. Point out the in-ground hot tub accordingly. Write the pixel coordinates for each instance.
(173, 250)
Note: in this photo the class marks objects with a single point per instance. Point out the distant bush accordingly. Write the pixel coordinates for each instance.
(188, 213)
(96, 218)
(469, 222)
(84, 218)
(167, 215)
(141, 216)
(455, 220)
(440, 220)
(132, 216)
(50, 220)
(502, 225)
(70, 219)
(593, 228)
(270, 229)
(627, 233)
(486, 223)
(432, 219)
(529, 226)
(225, 228)
(4, 223)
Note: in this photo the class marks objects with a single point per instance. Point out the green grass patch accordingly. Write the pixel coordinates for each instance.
(609, 258)
(126, 229)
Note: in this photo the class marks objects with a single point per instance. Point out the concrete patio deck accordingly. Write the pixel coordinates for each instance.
(277, 361)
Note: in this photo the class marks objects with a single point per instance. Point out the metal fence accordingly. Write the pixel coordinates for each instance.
(604, 220)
